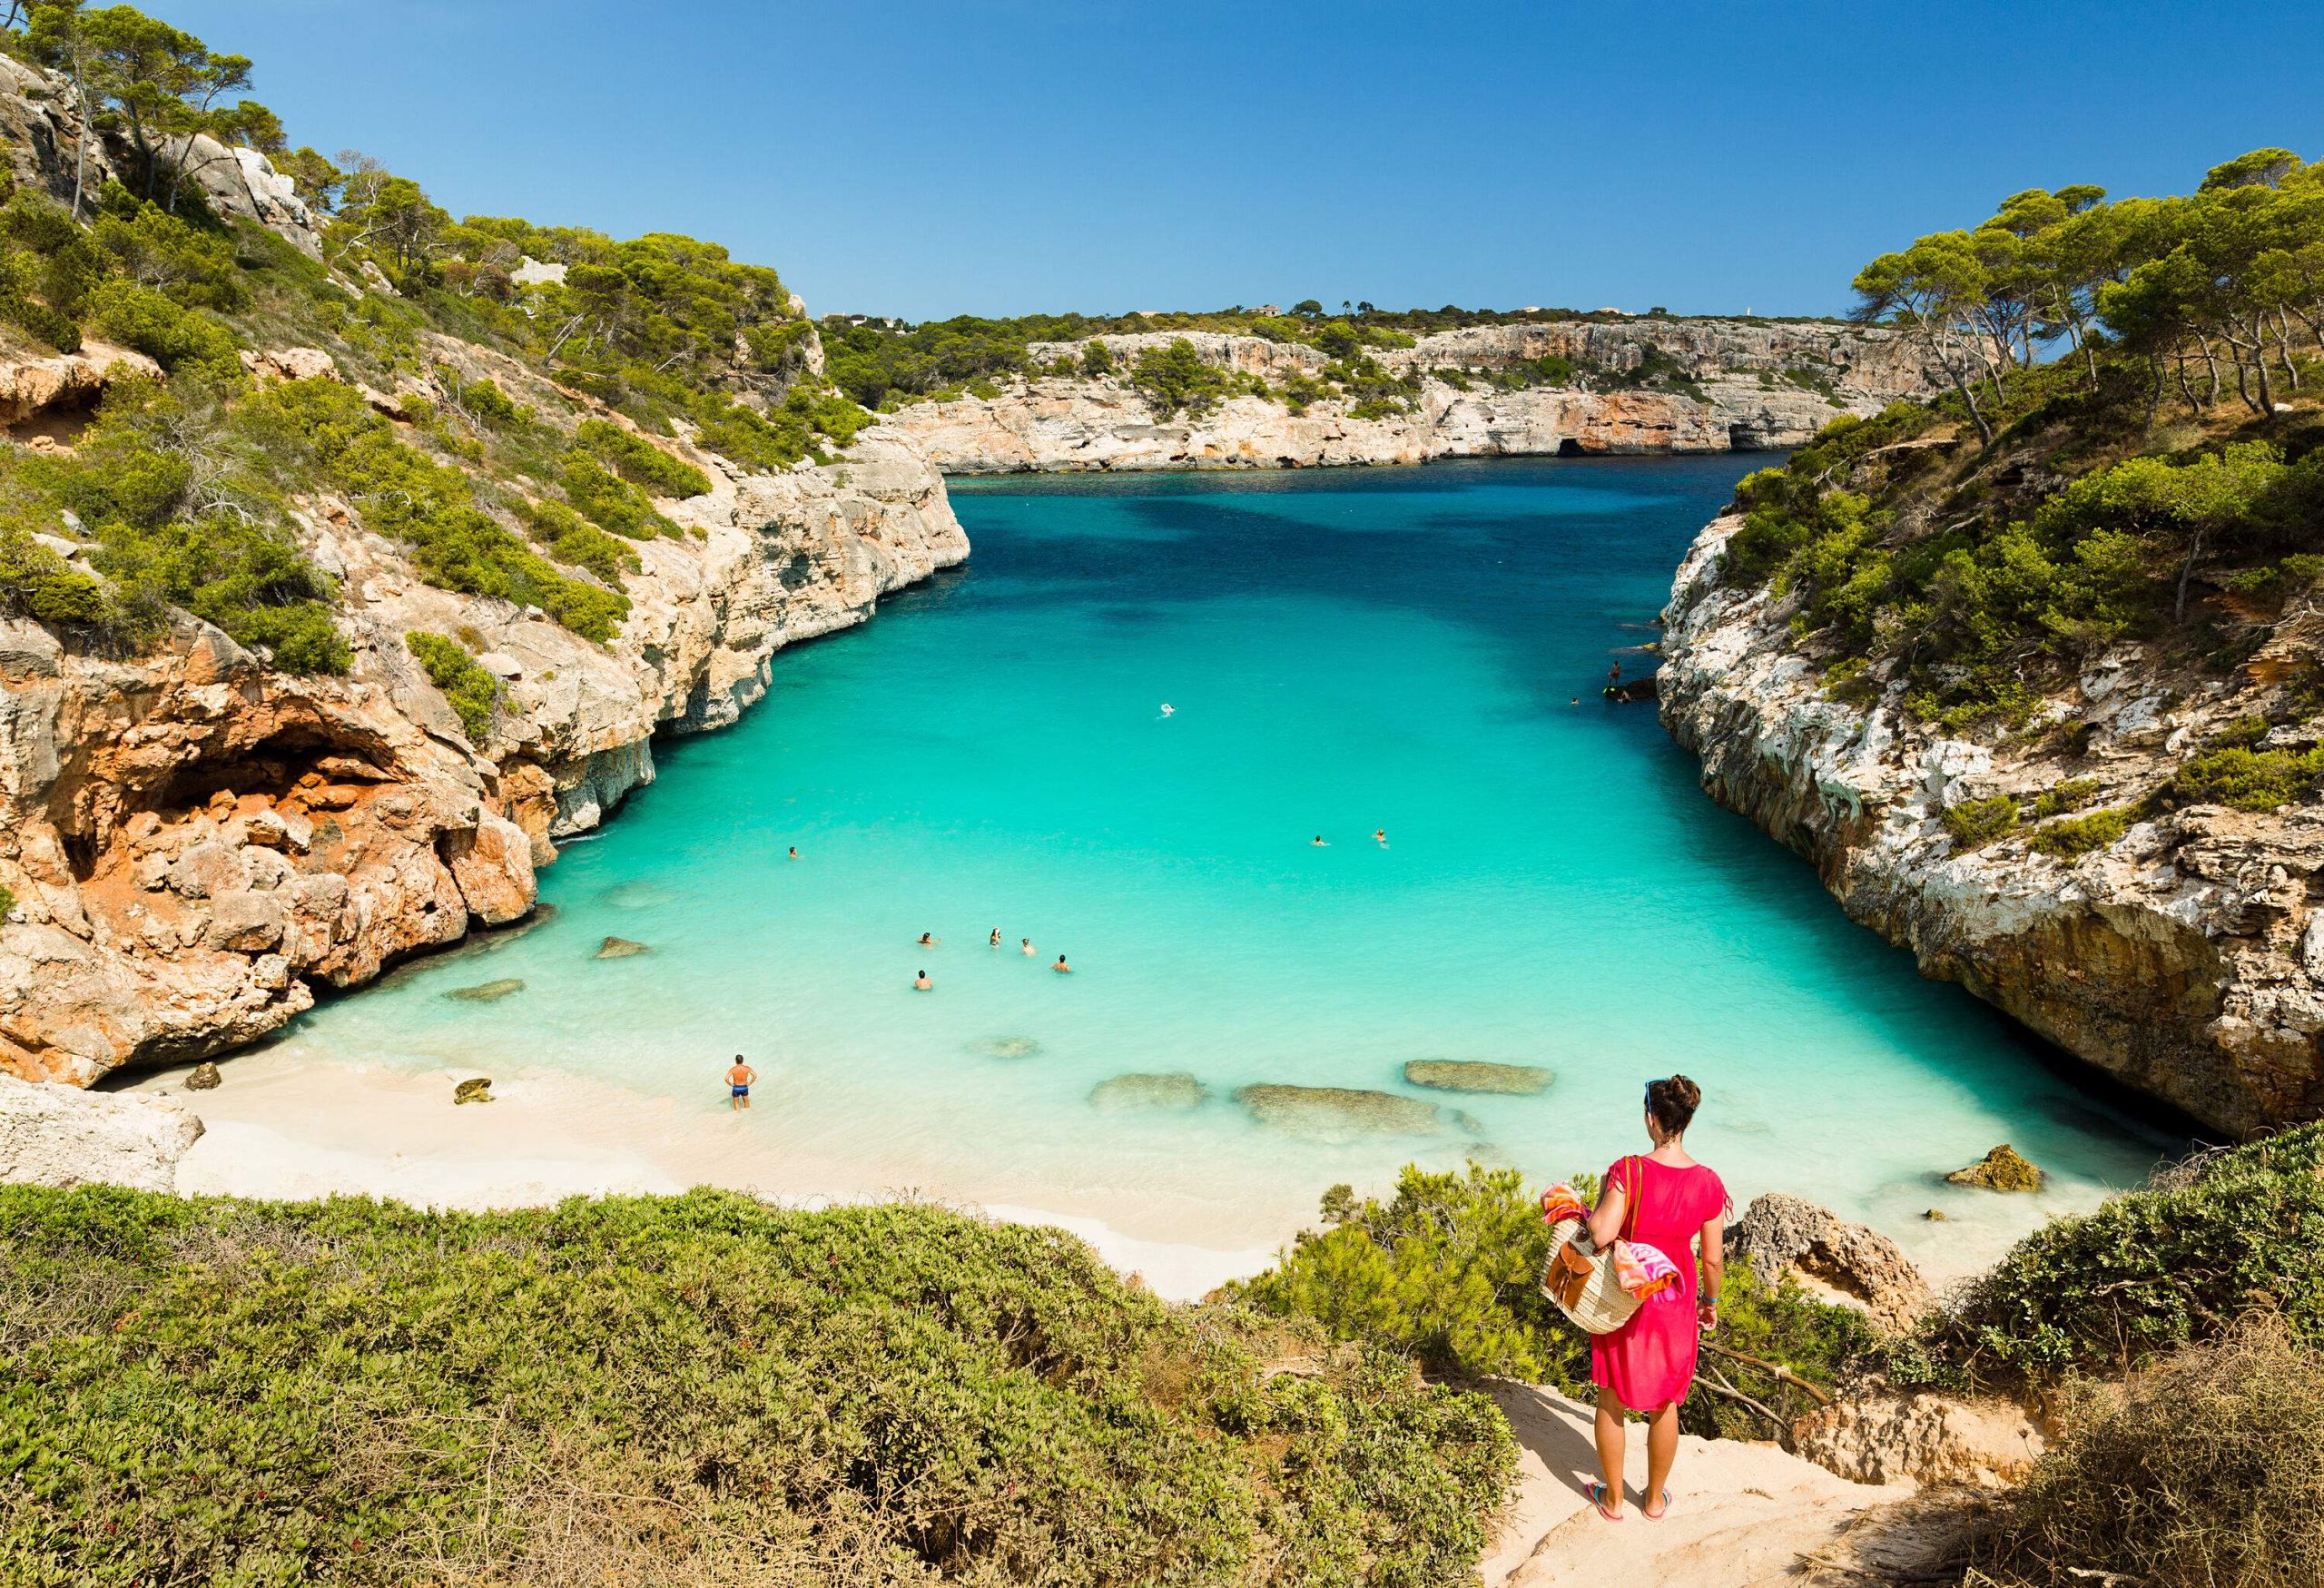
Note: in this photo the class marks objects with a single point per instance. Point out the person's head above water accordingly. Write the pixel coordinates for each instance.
(1671, 1102)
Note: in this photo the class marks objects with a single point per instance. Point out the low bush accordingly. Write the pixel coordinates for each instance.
(155, 324)
(689, 1389)
(2206, 1469)
(571, 538)
(1973, 823)
(2246, 779)
(2074, 836)
(609, 501)
(474, 693)
(639, 461)
(2148, 1272)
(2059, 798)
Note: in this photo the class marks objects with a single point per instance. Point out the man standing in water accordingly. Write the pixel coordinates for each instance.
(738, 1080)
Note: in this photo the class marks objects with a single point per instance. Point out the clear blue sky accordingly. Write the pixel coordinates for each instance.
(935, 157)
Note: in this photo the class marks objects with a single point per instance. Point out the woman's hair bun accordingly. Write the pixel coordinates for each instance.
(1672, 1101)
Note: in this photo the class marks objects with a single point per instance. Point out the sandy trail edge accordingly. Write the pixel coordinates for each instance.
(285, 1129)
(1740, 1516)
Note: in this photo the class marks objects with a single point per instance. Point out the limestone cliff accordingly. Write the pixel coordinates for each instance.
(1737, 385)
(2187, 959)
(196, 841)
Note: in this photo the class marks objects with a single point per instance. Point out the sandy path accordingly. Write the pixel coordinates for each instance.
(1741, 1514)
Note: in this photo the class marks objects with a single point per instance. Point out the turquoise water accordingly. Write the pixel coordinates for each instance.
(1345, 651)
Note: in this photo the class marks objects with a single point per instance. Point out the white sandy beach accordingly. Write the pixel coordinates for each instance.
(288, 1127)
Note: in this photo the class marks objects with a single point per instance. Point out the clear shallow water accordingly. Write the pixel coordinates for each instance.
(1346, 651)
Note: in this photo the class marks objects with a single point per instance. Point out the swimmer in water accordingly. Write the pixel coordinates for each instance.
(1168, 710)
(1025, 945)
(920, 983)
(1379, 836)
(794, 852)
(1062, 966)
(1317, 841)
(1614, 675)
(927, 942)
(996, 937)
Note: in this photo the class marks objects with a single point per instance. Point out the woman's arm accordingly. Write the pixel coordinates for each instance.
(1714, 1268)
(1606, 1224)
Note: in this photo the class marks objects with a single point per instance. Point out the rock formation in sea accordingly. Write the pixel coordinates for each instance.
(1733, 385)
(196, 841)
(2185, 958)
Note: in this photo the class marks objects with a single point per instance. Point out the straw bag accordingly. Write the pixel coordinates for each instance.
(1580, 1279)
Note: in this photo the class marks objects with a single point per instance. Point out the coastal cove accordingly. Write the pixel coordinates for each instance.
(1344, 652)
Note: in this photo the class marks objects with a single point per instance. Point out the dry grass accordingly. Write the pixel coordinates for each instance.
(2206, 1471)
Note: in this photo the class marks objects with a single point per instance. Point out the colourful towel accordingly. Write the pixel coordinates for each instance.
(1641, 1269)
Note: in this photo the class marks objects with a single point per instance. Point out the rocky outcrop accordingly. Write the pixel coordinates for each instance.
(1339, 1112)
(1927, 1438)
(1478, 1075)
(1747, 384)
(1838, 1261)
(195, 842)
(61, 1135)
(2185, 958)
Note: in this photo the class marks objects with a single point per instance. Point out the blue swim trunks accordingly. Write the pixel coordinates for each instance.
(741, 1091)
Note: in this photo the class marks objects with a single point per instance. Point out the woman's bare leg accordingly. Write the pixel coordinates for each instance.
(1610, 1413)
(1661, 1450)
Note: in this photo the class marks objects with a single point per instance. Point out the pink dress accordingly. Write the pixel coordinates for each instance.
(1650, 1361)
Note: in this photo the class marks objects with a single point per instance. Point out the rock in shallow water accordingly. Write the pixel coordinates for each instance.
(1174, 1090)
(1476, 1075)
(205, 1077)
(2001, 1169)
(1339, 1111)
(488, 992)
(619, 948)
(477, 1090)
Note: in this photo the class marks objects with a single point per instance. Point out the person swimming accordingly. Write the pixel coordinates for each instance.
(1025, 944)
(794, 852)
(1169, 710)
(920, 983)
(1318, 842)
(996, 937)
(1379, 836)
(1061, 965)
(927, 942)
(738, 1079)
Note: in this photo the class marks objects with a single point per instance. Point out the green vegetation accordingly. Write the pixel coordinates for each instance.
(2150, 1271)
(698, 1389)
(2079, 835)
(2070, 795)
(1174, 380)
(2206, 1469)
(640, 461)
(1975, 821)
(1449, 1270)
(1983, 569)
(2246, 779)
(474, 693)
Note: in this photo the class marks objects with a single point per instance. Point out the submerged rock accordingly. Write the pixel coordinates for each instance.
(619, 948)
(2001, 1169)
(1174, 1090)
(488, 992)
(1477, 1075)
(476, 1090)
(205, 1077)
(1779, 1234)
(1339, 1111)
(1007, 1047)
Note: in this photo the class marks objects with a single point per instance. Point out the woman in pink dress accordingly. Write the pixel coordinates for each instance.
(1647, 1364)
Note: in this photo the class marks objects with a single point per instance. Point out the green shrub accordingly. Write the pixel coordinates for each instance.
(2079, 835)
(699, 1389)
(7, 903)
(2070, 795)
(571, 538)
(1096, 358)
(474, 693)
(1174, 379)
(639, 461)
(36, 582)
(1976, 822)
(2148, 1272)
(2206, 1469)
(155, 324)
(2246, 779)
(610, 501)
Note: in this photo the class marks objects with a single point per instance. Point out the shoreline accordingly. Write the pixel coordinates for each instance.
(288, 1128)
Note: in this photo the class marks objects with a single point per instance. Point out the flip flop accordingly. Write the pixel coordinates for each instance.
(1657, 1516)
(1598, 1497)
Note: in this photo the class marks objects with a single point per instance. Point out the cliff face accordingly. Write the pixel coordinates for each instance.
(195, 841)
(2187, 960)
(1755, 385)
